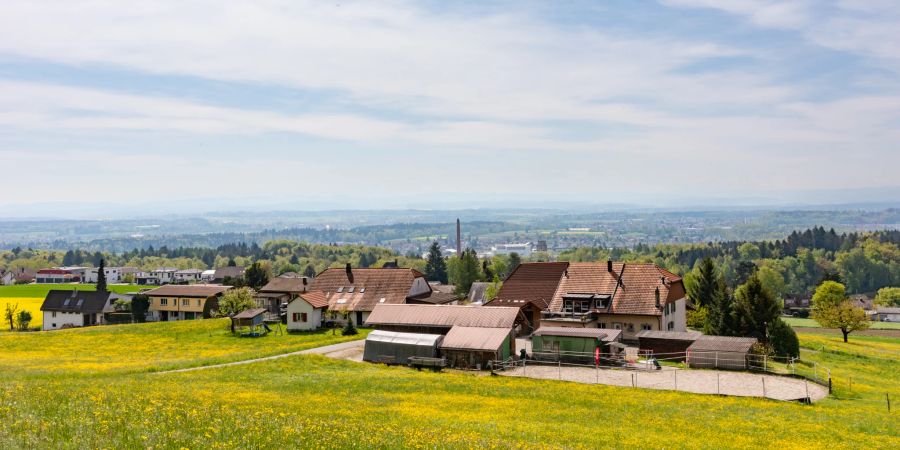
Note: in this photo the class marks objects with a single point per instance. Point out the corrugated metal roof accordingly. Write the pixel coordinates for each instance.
(604, 334)
(443, 316)
(475, 338)
(404, 338)
(672, 335)
(723, 344)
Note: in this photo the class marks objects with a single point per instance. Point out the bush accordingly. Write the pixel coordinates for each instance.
(783, 339)
(349, 329)
(696, 319)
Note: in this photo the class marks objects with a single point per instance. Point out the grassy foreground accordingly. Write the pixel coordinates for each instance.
(29, 297)
(310, 401)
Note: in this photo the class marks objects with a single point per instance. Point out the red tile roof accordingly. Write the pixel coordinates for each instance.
(531, 283)
(316, 299)
(369, 287)
(635, 295)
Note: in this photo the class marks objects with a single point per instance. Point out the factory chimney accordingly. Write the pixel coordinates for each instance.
(458, 240)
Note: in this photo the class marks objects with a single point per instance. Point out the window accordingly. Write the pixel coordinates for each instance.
(340, 289)
(185, 302)
(80, 302)
(54, 313)
(174, 313)
(362, 289)
(163, 302)
(671, 326)
(631, 328)
(198, 302)
(66, 303)
(672, 309)
(666, 310)
(645, 326)
(381, 300)
(350, 290)
(601, 325)
(617, 326)
(303, 317)
(295, 317)
(341, 301)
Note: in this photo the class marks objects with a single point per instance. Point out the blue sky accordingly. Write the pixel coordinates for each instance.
(393, 103)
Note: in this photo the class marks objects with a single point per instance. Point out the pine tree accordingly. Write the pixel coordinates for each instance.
(709, 292)
(101, 277)
(755, 309)
(349, 329)
(436, 267)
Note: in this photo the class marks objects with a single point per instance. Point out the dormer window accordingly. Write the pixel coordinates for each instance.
(350, 290)
(80, 302)
(340, 289)
(66, 302)
(382, 300)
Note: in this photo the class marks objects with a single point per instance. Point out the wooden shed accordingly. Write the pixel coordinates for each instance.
(667, 345)
(720, 352)
(474, 347)
(251, 322)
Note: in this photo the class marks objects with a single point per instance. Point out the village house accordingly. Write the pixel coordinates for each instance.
(7, 277)
(223, 274)
(186, 276)
(74, 308)
(279, 291)
(356, 292)
(184, 302)
(884, 314)
(441, 294)
(470, 336)
(631, 297)
(113, 274)
(19, 276)
(530, 287)
(306, 311)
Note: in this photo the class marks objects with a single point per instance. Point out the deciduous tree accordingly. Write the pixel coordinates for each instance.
(832, 309)
(235, 301)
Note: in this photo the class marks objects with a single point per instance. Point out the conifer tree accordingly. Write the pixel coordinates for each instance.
(101, 277)
(436, 267)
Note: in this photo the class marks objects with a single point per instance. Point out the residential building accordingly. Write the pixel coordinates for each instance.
(74, 308)
(530, 287)
(223, 274)
(186, 276)
(631, 297)
(279, 291)
(887, 314)
(358, 291)
(184, 302)
(113, 275)
(306, 311)
(207, 275)
(7, 277)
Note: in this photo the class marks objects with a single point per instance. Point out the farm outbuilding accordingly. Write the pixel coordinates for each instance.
(668, 345)
(720, 352)
(251, 322)
(572, 344)
(474, 347)
(392, 347)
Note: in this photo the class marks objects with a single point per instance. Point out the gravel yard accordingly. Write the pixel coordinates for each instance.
(697, 381)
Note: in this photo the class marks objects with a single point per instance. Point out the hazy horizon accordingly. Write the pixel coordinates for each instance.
(171, 107)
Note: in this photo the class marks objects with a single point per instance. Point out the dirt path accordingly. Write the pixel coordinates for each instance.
(719, 382)
(344, 350)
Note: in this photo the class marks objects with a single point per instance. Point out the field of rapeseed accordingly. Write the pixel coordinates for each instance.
(310, 401)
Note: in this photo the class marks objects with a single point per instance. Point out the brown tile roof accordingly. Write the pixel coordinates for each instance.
(635, 295)
(228, 271)
(369, 286)
(285, 284)
(316, 299)
(188, 290)
(443, 316)
(250, 313)
(531, 283)
(475, 338)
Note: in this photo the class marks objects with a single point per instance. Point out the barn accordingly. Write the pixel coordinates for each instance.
(391, 347)
(470, 335)
(668, 345)
(720, 352)
(576, 345)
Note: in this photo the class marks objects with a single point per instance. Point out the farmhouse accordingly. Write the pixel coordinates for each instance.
(471, 335)
(530, 287)
(670, 345)
(74, 308)
(622, 296)
(720, 352)
(280, 291)
(358, 291)
(184, 302)
(306, 311)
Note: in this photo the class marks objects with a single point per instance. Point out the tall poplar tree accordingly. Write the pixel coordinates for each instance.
(101, 276)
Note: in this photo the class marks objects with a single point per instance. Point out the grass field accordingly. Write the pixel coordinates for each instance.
(311, 401)
(809, 323)
(40, 290)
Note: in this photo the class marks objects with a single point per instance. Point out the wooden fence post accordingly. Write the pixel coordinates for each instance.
(888, 398)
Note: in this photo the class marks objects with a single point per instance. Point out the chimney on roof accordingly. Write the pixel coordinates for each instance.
(349, 272)
(657, 298)
(609, 265)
